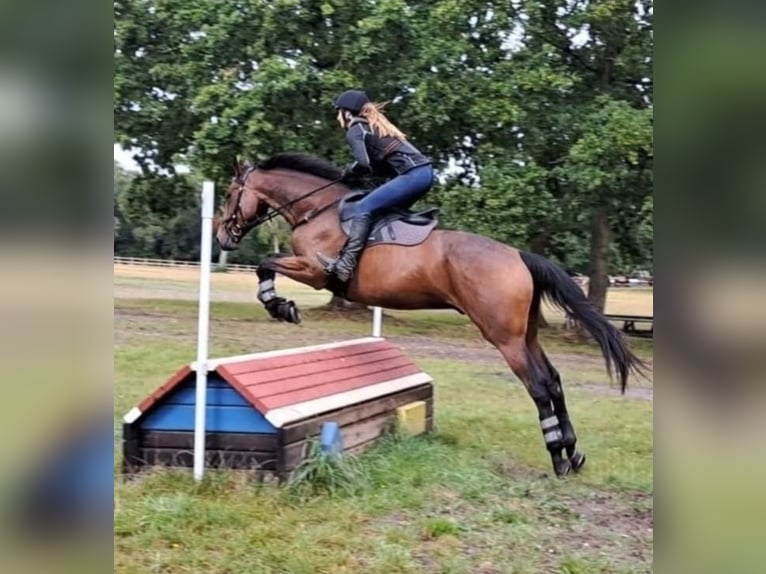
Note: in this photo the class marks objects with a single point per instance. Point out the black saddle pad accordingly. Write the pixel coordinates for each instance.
(396, 226)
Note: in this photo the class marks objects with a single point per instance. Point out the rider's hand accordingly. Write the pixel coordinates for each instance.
(349, 170)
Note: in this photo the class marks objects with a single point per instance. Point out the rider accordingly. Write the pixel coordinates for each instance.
(380, 149)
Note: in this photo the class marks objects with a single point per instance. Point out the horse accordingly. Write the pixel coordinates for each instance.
(499, 288)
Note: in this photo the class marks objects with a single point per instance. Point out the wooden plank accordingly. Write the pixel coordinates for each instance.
(350, 355)
(286, 375)
(213, 441)
(295, 412)
(296, 458)
(325, 390)
(216, 396)
(217, 419)
(131, 448)
(363, 446)
(360, 448)
(213, 459)
(368, 429)
(350, 414)
(281, 468)
(316, 377)
(153, 398)
(353, 435)
(292, 455)
(302, 356)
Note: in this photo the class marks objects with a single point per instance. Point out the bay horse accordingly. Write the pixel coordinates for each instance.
(497, 287)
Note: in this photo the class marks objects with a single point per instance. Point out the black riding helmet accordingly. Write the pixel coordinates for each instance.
(351, 100)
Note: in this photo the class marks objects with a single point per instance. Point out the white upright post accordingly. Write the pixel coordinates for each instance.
(377, 321)
(203, 326)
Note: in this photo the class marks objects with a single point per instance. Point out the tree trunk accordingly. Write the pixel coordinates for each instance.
(222, 257)
(599, 258)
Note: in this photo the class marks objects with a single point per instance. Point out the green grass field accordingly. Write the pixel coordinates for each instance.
(476, 496)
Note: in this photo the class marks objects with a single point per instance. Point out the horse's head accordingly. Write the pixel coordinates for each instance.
(242, 205)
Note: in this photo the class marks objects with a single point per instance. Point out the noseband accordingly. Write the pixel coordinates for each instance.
(236, 226)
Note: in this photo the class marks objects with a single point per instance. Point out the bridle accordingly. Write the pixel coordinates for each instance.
(237, 227)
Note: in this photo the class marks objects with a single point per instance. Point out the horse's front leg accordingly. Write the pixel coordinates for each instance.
(301, 269)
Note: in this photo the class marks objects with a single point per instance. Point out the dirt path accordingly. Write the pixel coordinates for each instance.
(488, 355)
(141, 323)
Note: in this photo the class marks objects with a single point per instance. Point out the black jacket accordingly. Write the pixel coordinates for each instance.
(381, 155)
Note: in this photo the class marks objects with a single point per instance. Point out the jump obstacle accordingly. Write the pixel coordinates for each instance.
(260, 411)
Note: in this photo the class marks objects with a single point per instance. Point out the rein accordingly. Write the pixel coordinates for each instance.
(237, 230)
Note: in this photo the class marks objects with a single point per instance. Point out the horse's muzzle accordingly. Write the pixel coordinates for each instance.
(225, 240)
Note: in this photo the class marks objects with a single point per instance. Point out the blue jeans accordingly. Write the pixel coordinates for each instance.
(401, 192)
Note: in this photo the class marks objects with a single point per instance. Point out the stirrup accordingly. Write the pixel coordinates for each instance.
(331, 266)
(328, 263)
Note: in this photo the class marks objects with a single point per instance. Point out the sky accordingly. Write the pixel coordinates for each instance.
(124, 158)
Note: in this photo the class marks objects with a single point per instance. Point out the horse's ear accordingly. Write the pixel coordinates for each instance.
(235, 165)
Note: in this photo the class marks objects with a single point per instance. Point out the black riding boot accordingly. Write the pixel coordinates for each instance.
(343, 266)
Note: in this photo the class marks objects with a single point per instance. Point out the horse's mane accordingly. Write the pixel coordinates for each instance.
(303, 162)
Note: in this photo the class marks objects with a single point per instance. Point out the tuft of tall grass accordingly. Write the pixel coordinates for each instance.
(320, 473)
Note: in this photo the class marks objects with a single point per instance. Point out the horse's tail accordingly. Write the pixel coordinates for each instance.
(554, 283)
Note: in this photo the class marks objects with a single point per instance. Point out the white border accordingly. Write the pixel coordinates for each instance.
(284, 415)
(132, 415)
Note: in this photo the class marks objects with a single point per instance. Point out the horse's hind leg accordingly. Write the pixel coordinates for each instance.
(576, 458)
(535, 379)
(503, 315)
(553, 381)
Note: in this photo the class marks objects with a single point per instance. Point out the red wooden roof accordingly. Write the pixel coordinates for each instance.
(282, 379)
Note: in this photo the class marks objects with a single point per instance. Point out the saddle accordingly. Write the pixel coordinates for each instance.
(394, 226)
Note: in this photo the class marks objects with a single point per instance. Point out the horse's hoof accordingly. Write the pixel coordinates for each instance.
(563, 468)
(577, 461)
(275, 308)
(290, 313)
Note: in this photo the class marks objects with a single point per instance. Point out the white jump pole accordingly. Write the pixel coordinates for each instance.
(377, 322)
(203, 326)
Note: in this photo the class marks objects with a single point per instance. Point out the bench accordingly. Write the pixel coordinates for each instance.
(629, 324)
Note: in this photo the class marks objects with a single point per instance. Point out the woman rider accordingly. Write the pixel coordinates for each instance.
(381, 149)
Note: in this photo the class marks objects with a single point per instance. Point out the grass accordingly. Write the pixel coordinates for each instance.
(319, 474)
(475, 496)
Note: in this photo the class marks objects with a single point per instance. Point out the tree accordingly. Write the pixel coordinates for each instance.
(580, 79)
(537, 115)
(124, 239)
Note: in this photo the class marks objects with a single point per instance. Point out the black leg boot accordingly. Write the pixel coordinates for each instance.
(343, 266)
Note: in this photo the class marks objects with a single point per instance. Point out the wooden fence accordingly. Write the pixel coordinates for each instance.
(145, 261)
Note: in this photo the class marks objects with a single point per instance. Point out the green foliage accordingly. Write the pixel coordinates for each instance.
(535, 114)
(322, 474)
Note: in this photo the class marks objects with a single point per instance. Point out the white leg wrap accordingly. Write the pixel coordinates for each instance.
(553, 436)
(266, 291)
(549, 423)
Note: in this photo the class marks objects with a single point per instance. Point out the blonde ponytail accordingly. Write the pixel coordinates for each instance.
(379, 123)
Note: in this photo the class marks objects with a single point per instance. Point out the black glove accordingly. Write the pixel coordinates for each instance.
(349, 170)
